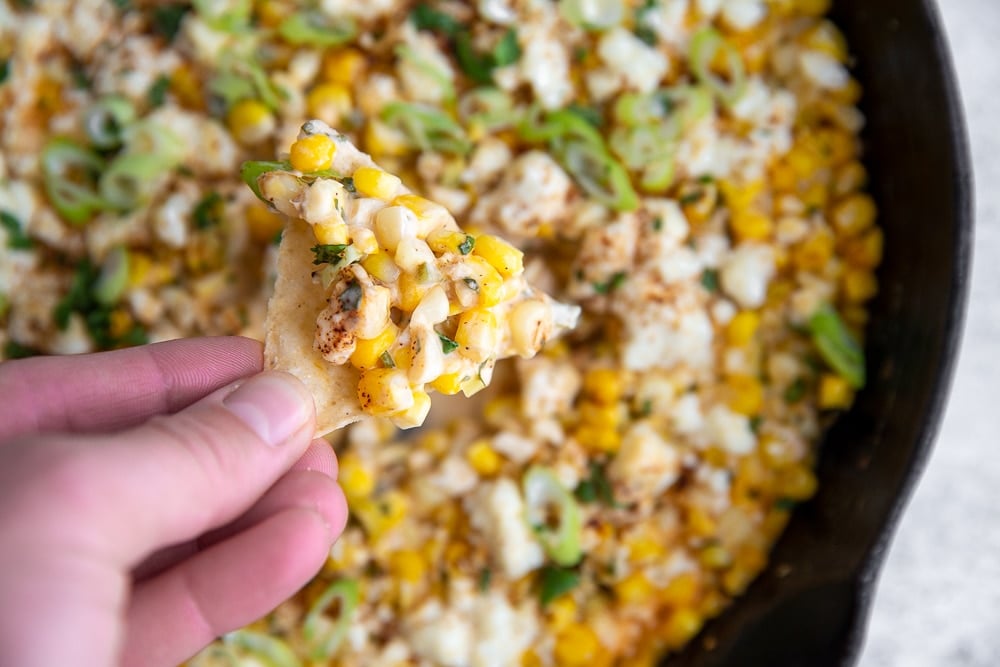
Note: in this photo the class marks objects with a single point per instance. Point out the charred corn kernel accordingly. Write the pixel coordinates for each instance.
(355, 478)
(448, 384)
(576, 644)
(866, 250)
(414, 415)
(813, 253)
(854, 214)
(478, 332)
(444, 241)
(372, 182)
(834, 392)
(384, 391)
(682, 591)
(634, 589)
(410, 291)
(383, 141)
(700, 522)
(859, 285)
(380, 514)
(599, 439)
(381, 266)
(604, 385)
(681, 627)
(367, 353)
(600, 415)
(751, 225)
(408, 565)
(530, 659)
(139, 265)
(312, 153)
(490, 282)
(742, 328)
(505, 258)
(250, 121)
(330, 102)
(331, 233)
(796, 483)
(715, 556)
(483, 459)
(746, 394)
(263, 223)
(343, 66)
(185, 85)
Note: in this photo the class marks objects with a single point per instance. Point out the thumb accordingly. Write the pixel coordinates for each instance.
(177, 476)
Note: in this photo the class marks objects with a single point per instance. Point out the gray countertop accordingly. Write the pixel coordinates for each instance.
(938, 602)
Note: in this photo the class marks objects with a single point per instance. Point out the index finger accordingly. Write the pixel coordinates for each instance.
(110, 391)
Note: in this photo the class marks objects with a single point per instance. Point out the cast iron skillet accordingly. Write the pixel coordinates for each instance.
(811, 606)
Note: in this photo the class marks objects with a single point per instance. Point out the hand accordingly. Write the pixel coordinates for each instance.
(152, 499)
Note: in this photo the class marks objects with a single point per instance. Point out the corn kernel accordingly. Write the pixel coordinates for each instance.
(477, 333)
(368, 352)
(363, 240)
(354, 478)
(634, 589)
(859, 285)
(501, 410)
(372, 182)
(505, 258)
(491, 285)
(742, 328)
(813, 253)
(682, 591)
(530, 659)
(783, 178)
(576, 645)
(604, 385)
(343, 66)
(185, 85)
(813, 7)
(746, 394)
(408, 565)
(741, 196)
(483, 459)
(384, 391)
(599, 439)
(854, 215)
(599, 415)
(797, 483)
(331, 233)
(263, 223)
(834, 392)
(381, 140)
(851, 177)
(715, 556)
(444, 241)
(865, 251)
(381, 267)
(329, 102)
(139, 266)
(700, 522)
(410, 291)
(382, 513)
(250, 121)
(448, 384)
(414, 415)
(313, 153)
(750, 225)
(644, 548)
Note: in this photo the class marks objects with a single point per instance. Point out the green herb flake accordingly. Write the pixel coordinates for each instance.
(645, 34)
(14, 350)
(755, 424)
(590, 114)
(796, 391)
(209, 211)
(485, 577)
(4, 70)
(556, 582)
(277, 239)
(710, 280)
(122, 5)
(425, 17)
(657, 224)
(597, 488)
(157, 93)
(466, 246)
(16, 238)
(350, 298)
(447, 345)
(586, 492)
(79, 74)
(387, 360)
(646, 408)
(507, 51)
(616, 281)
(166, 20)
(328, 253)
(692, 198)
(471, 284)
(348, 184)
(785, 504)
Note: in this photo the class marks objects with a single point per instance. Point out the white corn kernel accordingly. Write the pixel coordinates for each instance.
(394, 223)
(530, 327)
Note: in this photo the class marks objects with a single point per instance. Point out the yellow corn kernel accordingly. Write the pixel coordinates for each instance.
(381, 266)
(250, 121)
(408, 565)
(736, 580)
(444, 241)
(681, 627)
(604, 385)
(185, 85)
(373, 182)
(312, 153)
(796, 483)
(740, 196)
(530, 659)
(742, 328)
(330, 102)
(802, 161)
(715, 556)
(825, 38)
(382, 513)
(414, 415)
(363, 240)
(600, 415)
(866, 250)
(643, 548)
(501, 410)
(750, 225)
(384, 391)
(491, 284)
(634, 589)
(561, 613)
(648, 657)
(505, 258)
(859, 285)
(813, 7)
(448, 384)
(776, 452)
(854, 214)
(834, 392)
(700, 522)
(576, 644)
(682, 591)
(746, 394)
(384, 141)
(121, 322)
(423, 208)
(483, 459)
(816, 196)
(343, 66)
(477, 333)
(849, 178)
(139, 265)
(813, 253)
(263, 223)
(368, 352)
(599, 439)
(783, 178)
(410, 291)
(331, 233)
(355, 478)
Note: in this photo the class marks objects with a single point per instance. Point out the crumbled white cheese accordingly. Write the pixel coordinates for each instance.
(730, 430)
(646, 465)
(746, 273)
(497, 511)
(640, 66)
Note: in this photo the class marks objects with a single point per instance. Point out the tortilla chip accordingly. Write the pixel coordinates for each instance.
(290, 328)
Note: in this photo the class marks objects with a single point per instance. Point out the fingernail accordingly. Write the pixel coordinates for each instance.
(273, 405)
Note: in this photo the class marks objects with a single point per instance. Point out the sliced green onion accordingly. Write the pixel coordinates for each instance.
(166, 19)
(322, 633)
(264, 649)
(427, 127)
(307, 28)
(156, 140)
(642, 145)
(106, 120)
(556, 582)
(71, 173)
(692, 103)
(561, 124)
(546, 499)
(640, 109)
(16, 238)
(487, 108)
(593, 14)
(430, 69)
(130, 180)
(837, 346)
(658, 176)
(705, 46)
(111, 283)
(252, 170)
(231, 16)
(598, 173)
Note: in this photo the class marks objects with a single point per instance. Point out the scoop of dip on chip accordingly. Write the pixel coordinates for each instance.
(380, 296)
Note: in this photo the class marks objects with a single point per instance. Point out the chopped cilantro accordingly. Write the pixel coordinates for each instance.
(507, 51)
(471, 284)
(755, 423)
(166, 19)
(277, 239)
(613, 283)
(425, 17)
(16, 238)
(447, 345)
(81, 299)
(4, 70)
(596, 487)
(350, 298)
(122, 5)
(328, 253)
(387, 360)
(208, 212)
(785, 504)
(348, 184)
(556, 582)
(14, 350)
(466, 246)
(645, 34)
(485, 576)
(646, 409)
(79, 74)
(692, 197)
(477, 66)
(796, 391)
(580, 54)
(710, 280)
(157, 93)
(657, 224)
